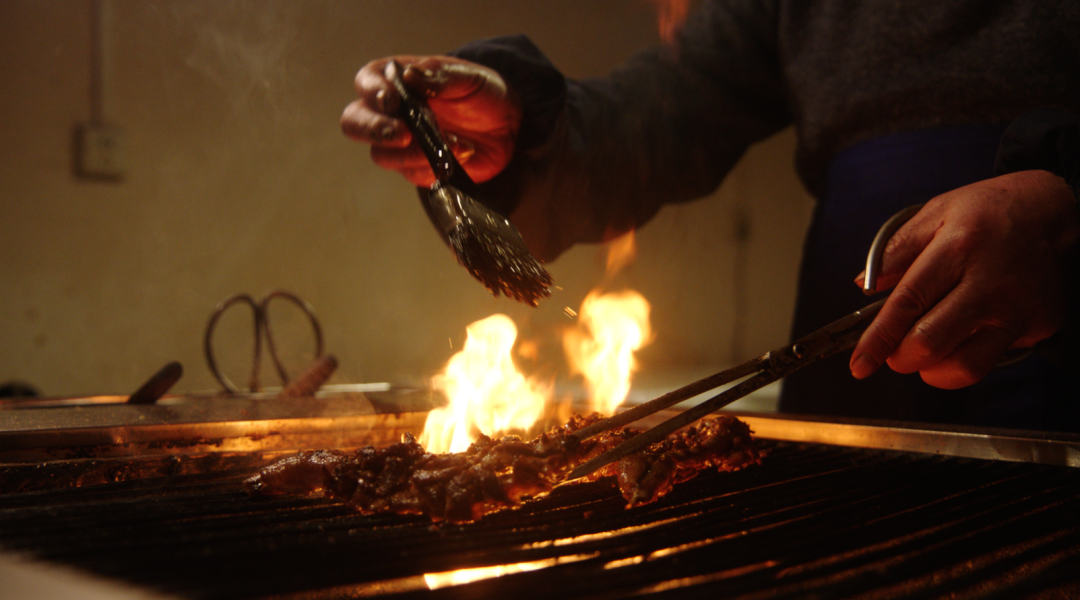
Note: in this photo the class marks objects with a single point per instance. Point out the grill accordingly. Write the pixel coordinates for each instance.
(881, 511)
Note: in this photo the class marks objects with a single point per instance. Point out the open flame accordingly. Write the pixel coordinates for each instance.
(622, 251)
(488, 394)
(614, 326)
(486, 391)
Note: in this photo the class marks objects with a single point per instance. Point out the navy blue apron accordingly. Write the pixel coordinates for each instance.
(864, 186)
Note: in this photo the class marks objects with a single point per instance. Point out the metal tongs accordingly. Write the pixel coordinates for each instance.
(774, 365)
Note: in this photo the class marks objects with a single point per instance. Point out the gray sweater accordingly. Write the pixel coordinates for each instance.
(602, 155)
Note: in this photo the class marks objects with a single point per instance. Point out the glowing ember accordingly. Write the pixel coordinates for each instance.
(617, 325)
(487, 393)
(438, 580)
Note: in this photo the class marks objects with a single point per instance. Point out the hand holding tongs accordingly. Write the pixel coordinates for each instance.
(772, 366)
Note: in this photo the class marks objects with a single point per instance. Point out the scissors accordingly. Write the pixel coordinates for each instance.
(834, 338)
(262, 329)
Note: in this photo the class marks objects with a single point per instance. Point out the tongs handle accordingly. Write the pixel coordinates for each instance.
(413, 110)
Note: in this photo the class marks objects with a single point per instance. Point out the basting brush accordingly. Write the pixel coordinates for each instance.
(486, 243)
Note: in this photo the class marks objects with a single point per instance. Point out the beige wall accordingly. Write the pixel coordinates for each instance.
(237, 179)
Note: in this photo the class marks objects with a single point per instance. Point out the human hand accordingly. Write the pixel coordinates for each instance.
(978, 270)
(477, 113)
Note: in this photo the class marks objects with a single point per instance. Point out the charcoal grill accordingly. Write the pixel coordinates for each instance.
(152, 495)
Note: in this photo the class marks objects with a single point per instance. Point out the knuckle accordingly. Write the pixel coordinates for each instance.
(882, 338)
(909, 301)
(925, 341)
(888, 339)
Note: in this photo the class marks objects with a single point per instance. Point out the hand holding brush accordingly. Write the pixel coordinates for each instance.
(486, 243)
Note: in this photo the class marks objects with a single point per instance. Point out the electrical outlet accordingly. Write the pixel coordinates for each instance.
(99, 152)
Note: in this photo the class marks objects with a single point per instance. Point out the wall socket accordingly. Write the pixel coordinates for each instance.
(99, 151)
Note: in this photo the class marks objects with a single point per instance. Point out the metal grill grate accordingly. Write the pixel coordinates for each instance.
(813, 521)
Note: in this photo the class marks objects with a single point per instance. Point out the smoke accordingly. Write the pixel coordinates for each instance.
(249, 50)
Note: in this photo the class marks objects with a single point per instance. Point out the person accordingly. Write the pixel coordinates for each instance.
(894, 104)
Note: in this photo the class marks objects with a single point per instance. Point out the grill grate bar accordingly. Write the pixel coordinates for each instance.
(769, 546)
(814, 520)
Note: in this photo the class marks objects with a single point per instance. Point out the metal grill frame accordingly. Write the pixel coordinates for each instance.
(928, 513)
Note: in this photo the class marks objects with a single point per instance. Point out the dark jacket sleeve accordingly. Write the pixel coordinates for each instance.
(600, 156)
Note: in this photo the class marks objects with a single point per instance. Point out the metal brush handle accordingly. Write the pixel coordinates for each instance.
(413, 110)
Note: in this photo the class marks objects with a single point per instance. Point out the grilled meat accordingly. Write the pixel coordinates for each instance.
(496, 474)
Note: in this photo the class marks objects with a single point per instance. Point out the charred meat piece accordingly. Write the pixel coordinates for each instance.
(301, 475)
(494, 475)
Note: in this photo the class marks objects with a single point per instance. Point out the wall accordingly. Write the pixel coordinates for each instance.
(237, 179)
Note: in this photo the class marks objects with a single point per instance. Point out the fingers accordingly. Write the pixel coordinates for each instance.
(411, 162)
(932, 320)
(987, 267)
(364, 124)
(950, 344)
(477, 114)
(932, 274)
(433, 77)
(970, 361)
(443, 80)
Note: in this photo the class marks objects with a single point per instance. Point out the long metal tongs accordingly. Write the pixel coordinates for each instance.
(769, 367)
(772, 366)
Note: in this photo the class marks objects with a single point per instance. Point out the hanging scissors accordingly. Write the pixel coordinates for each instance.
(262, 330)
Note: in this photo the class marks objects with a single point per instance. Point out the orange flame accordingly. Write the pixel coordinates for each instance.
(621, 252)
(487, 393)
(671, 14)
(616, 325)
